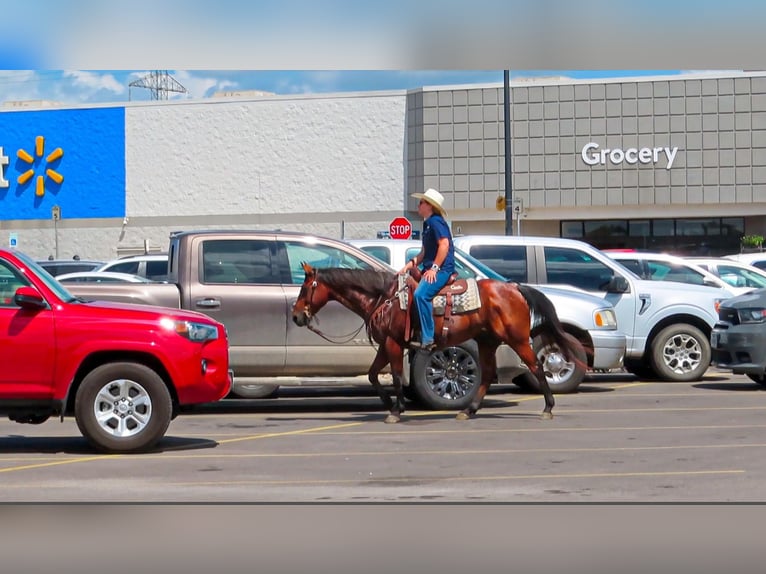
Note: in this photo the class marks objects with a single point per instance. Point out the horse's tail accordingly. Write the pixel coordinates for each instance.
(545, 323)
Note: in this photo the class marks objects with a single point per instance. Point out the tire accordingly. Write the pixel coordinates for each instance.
(563, 376)
(447, 379)
(123, 408)
(680, 353)
(760, 379)
(255, 391)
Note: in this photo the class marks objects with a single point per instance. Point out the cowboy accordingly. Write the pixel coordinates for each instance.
(436, 260)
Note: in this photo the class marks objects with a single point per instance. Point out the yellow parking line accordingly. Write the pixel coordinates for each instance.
(56, 463)
(461, 478)
(452, 452)
(289, 433)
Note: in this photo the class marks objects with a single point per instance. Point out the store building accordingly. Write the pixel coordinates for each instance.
(674, 163)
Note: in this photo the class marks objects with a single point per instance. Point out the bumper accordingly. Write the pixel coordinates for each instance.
(608, 349)
(741, 348)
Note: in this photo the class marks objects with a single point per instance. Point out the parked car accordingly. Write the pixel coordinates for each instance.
(667, 328)
(57, 267)
(664, 267)
(123, 371)
(589, 319)
(757, 259)
(248, 280)
(738, 339)
(737, 274)
(101, 277)
(153, 266)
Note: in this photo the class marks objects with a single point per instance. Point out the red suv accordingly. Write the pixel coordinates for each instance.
(124, 371)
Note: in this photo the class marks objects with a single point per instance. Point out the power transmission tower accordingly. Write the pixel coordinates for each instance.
(160, 83)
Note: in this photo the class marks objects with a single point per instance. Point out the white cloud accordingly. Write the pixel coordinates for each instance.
(94, 81)
(201, 86)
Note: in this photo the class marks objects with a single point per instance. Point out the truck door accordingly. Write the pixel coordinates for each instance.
(568, 266)
(308, 353)
(237, 283)
(27, 343)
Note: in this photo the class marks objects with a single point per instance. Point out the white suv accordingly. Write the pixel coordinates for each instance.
(667, 325)
(152, 266)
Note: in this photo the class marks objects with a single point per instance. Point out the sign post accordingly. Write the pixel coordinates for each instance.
(400, 228)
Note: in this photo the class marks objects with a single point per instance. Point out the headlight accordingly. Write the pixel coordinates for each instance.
(605, 318)
(756, 315)
(198, 332)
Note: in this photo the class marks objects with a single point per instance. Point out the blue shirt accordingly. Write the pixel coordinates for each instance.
(434, 228)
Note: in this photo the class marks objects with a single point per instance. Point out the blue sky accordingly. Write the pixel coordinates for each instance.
(102, 86)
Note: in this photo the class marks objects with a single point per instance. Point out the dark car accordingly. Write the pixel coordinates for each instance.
(738, 339)
(60, 266)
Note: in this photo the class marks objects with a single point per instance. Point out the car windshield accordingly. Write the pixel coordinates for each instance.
(485, 269)
(60, 291)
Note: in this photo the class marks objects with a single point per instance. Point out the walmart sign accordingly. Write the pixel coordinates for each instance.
(71, 158)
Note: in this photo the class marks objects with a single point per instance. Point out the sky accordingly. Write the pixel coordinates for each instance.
(109, 86)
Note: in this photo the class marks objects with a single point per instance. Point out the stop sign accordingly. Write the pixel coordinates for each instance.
(400, 228)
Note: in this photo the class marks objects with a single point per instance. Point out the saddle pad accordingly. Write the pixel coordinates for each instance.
(462, 303)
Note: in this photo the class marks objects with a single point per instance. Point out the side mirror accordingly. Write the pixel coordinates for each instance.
(29, 298)
(617, 284)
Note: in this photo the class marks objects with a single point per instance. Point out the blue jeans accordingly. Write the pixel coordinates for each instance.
(424, 296)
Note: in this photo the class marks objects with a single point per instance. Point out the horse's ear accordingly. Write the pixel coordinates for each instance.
(307, 268)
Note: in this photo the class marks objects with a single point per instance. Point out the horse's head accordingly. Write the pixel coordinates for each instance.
(311, 298)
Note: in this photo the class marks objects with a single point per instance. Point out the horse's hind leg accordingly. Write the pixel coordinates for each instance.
(527, 354)
(488, 363)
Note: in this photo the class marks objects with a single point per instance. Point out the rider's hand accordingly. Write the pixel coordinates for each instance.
(407, 266)
(430, 275)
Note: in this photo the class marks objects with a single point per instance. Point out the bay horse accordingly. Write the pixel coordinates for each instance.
(506, 316)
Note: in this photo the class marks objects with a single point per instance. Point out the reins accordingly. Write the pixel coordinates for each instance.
(342, 339)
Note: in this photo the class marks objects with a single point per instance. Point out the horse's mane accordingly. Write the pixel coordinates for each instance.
(370, 281)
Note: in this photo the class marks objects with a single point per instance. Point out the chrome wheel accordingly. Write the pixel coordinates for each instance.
(556, 368)
(682, 353)
(122, 408)
(447, 378)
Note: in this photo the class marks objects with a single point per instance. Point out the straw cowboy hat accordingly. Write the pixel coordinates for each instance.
(434, 199)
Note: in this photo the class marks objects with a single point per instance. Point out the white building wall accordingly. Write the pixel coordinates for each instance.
(330, 164)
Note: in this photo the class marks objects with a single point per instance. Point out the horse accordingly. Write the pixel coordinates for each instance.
(505, 315)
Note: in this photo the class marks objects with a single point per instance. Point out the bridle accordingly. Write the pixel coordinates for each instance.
(339, 339)
(342, 339)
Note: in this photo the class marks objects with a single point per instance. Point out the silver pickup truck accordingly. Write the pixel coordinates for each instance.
(248, 280)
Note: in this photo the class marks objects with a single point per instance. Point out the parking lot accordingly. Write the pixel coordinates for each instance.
(619, 439)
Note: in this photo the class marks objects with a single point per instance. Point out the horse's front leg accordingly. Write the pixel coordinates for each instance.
(396, 359)
(380, 361)
(488, 362)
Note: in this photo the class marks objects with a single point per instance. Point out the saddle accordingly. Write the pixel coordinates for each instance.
(456, 297)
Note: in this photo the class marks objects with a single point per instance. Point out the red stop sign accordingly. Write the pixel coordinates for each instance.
(400, 228)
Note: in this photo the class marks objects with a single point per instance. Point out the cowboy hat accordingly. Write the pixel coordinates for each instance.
(434, 199)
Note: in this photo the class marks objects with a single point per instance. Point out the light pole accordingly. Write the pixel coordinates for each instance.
(56, 215)
(507, 118)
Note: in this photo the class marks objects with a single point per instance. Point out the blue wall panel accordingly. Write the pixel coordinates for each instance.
(92, 163)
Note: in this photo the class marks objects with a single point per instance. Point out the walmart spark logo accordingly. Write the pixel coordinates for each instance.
(39, 150)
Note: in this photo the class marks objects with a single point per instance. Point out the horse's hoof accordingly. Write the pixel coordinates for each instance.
(461, 416)
(546, 416)
(390, 419)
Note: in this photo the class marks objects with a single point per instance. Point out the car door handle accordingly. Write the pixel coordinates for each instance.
(208, 303)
